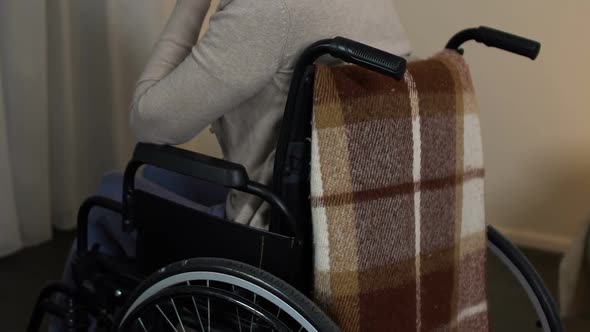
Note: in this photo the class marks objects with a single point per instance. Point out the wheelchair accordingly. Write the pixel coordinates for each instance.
(187, 278)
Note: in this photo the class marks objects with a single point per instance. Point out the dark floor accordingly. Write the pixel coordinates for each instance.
(23, 275)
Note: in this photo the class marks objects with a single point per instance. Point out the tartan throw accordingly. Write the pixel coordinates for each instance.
(397, 198)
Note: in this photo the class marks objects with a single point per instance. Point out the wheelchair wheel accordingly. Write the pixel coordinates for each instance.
(211, 294)
(528, 279)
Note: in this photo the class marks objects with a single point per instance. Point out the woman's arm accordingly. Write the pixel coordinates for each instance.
(176, 41)
(184, 87)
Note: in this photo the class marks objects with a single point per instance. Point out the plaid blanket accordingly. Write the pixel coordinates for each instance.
(397, 198)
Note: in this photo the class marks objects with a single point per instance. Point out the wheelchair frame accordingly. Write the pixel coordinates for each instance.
(104, 282)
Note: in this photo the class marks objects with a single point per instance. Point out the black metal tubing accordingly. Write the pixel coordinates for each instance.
(307, 58)
(496, 38)
(266, 194)
(128, 190)
(84, 211)
(39, 312)
(44, 305)
(462, 37)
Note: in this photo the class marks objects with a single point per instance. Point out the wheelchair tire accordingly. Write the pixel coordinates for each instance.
(183, 278)
(528, 278)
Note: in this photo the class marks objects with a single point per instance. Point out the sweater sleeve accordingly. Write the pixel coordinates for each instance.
(184, 88)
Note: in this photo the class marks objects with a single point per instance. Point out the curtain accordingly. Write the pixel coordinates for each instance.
(67, 72)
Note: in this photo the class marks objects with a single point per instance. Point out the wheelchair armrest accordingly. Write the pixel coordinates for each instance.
(217, 171)
(206, 168)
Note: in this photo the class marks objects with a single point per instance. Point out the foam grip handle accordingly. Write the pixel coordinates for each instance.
(368, 57)
(508, 42)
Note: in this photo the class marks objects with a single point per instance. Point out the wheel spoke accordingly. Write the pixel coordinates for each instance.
(197, 310)
(198, 315)
(208, 311)
(177, 315)
(166, 317)
(252, 316)
(225, 298)
(237, 310)
(141, 324)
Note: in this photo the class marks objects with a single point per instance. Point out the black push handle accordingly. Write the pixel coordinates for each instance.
(368, 57)
(499, 39)
(509, 42)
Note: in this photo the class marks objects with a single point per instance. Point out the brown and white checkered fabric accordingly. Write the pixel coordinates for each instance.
(397, 198)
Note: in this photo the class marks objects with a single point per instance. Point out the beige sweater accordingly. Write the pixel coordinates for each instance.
(237, 76)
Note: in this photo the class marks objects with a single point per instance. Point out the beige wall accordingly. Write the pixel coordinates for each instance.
(535, 115)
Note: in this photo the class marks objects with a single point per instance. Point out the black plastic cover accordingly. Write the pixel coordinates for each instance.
(169, 232)
(200, 166)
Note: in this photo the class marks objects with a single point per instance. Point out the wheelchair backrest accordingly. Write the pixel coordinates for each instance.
(369, 110)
